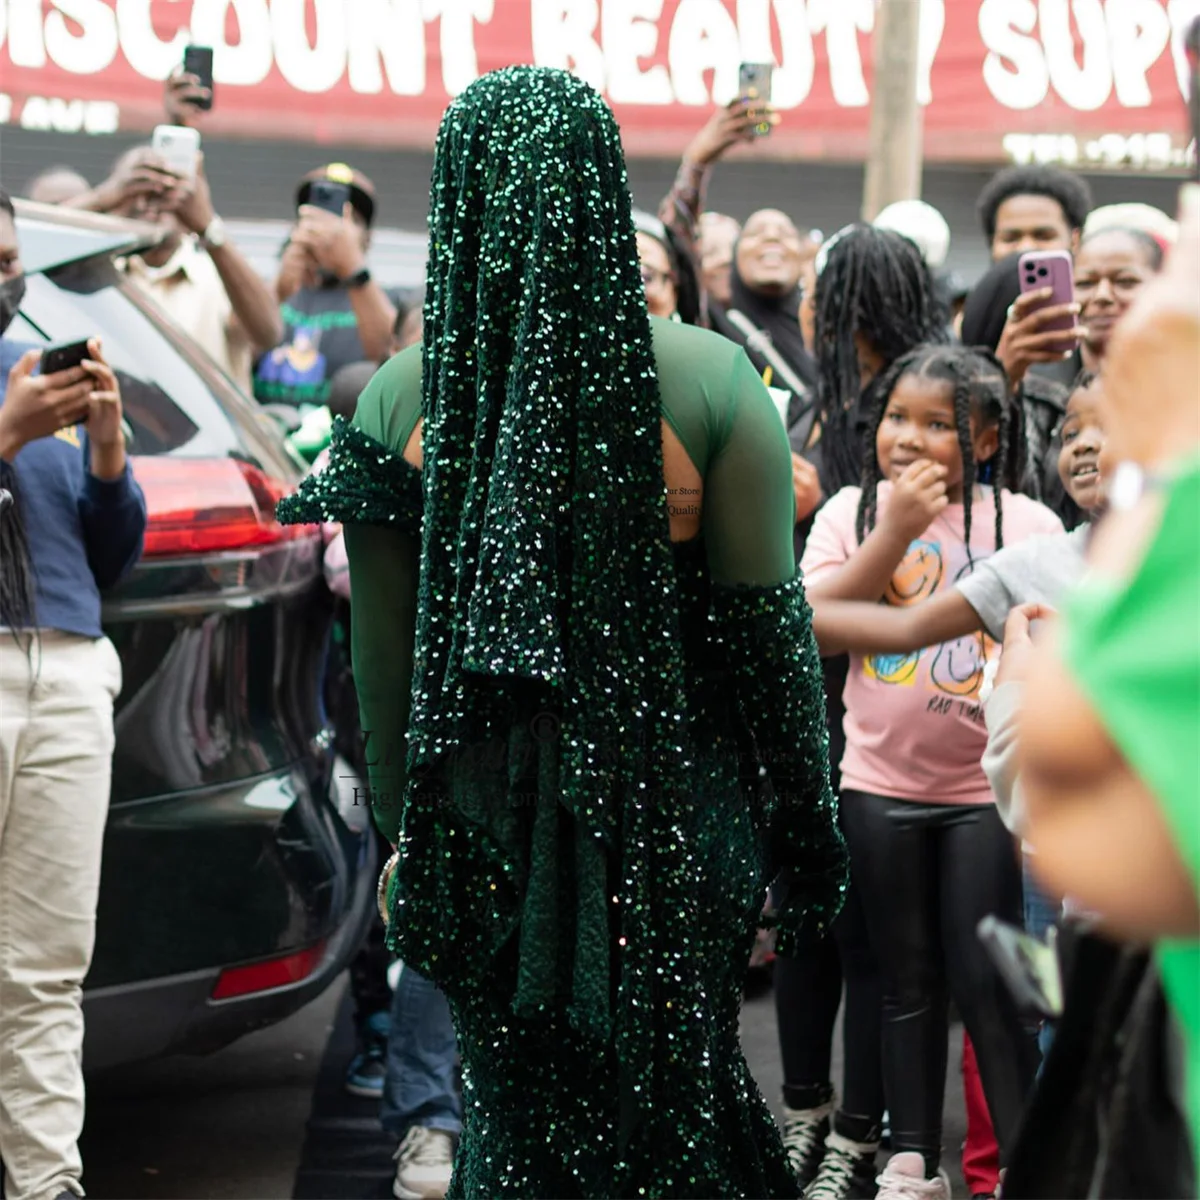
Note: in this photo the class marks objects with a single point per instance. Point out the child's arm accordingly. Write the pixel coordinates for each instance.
(1002, 713)
(856, 627)
(918, 496)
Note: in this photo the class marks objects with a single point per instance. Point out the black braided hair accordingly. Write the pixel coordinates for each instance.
(980, 390)
(874, 282)
(16, 566)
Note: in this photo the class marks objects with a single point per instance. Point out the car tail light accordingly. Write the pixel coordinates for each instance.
(272, 973)
(202, 505)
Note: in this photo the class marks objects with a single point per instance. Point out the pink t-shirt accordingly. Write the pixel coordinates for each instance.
(914, 724)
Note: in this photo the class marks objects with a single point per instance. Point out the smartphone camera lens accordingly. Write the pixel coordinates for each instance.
(1042, 272)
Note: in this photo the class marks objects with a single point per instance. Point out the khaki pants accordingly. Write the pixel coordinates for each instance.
(56, 742)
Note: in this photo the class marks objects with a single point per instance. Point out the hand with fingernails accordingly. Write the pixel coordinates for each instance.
(38, 406)
(1028, 339)
(917, 498)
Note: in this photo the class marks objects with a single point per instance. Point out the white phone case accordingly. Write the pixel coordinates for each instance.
(178, 147)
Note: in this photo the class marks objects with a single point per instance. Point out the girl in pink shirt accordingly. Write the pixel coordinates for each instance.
(928, 851)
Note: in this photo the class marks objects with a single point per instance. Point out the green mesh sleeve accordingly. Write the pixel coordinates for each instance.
(765, 626)
(384, 567)
(776, 668)
(749, 505)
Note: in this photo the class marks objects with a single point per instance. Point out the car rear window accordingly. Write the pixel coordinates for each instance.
(176, 401)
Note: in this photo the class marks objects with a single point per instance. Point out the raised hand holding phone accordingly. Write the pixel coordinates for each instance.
(754, 85)
(188, 93)
(335, 242)
(39, 405)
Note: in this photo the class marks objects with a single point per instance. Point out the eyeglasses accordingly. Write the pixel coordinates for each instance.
(654, 275)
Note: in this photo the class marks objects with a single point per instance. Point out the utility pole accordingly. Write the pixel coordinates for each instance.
(894, 166)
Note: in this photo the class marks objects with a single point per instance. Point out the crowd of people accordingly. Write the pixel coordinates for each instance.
(927, 458)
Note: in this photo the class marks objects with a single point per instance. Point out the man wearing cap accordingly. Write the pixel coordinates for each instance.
(333, 312)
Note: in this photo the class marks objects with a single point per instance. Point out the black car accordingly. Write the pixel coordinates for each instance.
(238, 874)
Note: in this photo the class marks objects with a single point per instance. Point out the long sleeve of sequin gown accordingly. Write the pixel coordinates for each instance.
(770, 656)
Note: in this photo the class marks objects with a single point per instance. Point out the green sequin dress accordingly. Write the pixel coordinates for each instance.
(595, 969)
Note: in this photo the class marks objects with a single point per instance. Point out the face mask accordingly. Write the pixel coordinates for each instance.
(12, 292)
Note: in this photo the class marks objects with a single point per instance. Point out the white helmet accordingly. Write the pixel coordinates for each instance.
(920, 223)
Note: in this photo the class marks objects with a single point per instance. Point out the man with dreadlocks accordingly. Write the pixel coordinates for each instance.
(71, 523)
(580, 633)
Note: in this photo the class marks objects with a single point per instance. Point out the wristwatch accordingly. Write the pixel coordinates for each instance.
(214, 236)
(1130, 482)
(357, 280)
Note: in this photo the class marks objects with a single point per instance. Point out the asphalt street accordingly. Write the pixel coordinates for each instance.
(267, 1118)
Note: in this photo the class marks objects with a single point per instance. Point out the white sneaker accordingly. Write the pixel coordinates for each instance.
(904, 1179)
(424, 1164)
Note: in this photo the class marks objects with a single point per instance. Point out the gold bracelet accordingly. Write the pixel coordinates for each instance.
(385, 881)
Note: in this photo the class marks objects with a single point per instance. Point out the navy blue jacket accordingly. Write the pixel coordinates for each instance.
(84, 533)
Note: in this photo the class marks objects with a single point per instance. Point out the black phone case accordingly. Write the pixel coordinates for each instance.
(198, 61)
(330, 197)
(1025, 990)
(63, 358)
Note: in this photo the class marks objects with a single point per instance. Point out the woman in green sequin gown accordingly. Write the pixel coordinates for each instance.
(594, 702)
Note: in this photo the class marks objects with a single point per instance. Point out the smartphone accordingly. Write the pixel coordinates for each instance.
(1054, 269)
(198, 61)
(754, 82)
(179, 148)
(331, 197)
(1029, 968)
(64, 357)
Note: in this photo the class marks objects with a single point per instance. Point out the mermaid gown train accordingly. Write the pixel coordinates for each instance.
(595, 976)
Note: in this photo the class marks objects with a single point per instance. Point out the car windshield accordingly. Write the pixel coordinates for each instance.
(176, 400)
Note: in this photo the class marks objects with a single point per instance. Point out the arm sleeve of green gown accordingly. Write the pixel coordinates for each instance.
(384, 568)
(383, 549)
(765, 624)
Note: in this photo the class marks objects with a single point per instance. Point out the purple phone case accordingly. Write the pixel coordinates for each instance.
(1050, 268)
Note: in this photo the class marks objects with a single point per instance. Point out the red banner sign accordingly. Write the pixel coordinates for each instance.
(1087, 81)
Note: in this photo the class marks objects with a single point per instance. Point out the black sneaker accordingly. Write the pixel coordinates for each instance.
(368, 1068)
(847, 1171)
(804, 1134)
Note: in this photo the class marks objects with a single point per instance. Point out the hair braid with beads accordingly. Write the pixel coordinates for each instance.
(979, 388)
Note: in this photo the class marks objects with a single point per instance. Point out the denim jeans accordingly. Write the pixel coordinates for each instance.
(1041, 913)
(420, 1086)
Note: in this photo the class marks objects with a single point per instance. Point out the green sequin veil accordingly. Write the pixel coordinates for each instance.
(585, 825)
(541, 423)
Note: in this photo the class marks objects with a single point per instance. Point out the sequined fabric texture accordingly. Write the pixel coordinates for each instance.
(586, 837)
(364, 483)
